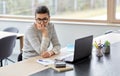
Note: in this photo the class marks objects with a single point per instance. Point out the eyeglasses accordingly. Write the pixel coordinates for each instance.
(44, 20)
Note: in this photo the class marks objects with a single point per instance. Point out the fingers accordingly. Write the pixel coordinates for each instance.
(40, 26)
(45, 54)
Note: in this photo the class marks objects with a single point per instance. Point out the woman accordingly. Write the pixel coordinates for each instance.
(39, 35)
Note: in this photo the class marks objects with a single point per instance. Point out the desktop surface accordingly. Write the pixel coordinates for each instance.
(108, 65)
(48, 72)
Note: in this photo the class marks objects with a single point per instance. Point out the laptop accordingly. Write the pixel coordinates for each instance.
(82, 49)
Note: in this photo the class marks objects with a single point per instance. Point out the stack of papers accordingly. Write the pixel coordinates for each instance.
(45, 61)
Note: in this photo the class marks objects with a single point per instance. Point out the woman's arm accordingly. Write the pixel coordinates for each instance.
(55, 42)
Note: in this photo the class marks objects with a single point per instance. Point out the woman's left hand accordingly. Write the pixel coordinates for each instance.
(46, 54)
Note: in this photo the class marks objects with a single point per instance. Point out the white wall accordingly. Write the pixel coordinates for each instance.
(67, 32)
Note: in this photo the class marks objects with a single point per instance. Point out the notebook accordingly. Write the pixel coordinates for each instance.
(82, 49)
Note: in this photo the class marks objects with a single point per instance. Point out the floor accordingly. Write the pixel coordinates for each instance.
(13, 57)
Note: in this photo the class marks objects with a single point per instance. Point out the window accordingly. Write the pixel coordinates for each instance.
(65, 10)
(118, 9)
(16, 7)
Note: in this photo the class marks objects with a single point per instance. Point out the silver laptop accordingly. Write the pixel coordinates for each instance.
(82, 49)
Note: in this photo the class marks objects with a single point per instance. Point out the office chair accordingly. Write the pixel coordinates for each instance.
(11, 29)
(6, 47)
(19, 57)
(14, 30)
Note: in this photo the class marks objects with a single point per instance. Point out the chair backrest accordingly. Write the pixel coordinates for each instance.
(6, 46)
(11, 29)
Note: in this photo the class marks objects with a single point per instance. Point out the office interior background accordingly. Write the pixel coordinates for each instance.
(72, 18)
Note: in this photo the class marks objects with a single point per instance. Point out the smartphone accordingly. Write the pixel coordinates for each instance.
(60, 64)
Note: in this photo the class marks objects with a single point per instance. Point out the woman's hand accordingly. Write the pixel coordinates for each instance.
(47, 54)
(43, 29)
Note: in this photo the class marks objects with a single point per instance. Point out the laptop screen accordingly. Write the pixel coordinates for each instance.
(83, 47)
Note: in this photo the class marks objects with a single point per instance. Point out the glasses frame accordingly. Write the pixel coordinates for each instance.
(39, 20)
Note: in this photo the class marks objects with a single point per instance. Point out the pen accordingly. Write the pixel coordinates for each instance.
(96, 45)
(43, 61)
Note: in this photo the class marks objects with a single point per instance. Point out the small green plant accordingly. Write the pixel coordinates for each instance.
(107, 43)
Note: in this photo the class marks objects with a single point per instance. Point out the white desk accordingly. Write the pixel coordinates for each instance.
(112, 37)
(19, 36)
(25, 67)
(92, 68)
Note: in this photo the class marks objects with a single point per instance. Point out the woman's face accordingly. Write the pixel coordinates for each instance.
(42, 20)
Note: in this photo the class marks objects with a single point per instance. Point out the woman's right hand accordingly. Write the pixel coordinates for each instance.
(42, 28)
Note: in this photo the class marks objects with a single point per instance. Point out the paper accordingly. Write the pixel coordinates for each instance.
(64, 57)
(45, 61)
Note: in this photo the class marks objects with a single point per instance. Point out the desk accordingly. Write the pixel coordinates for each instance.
(19, 36)
(112, 37)
(108, 65)
(25, 67)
